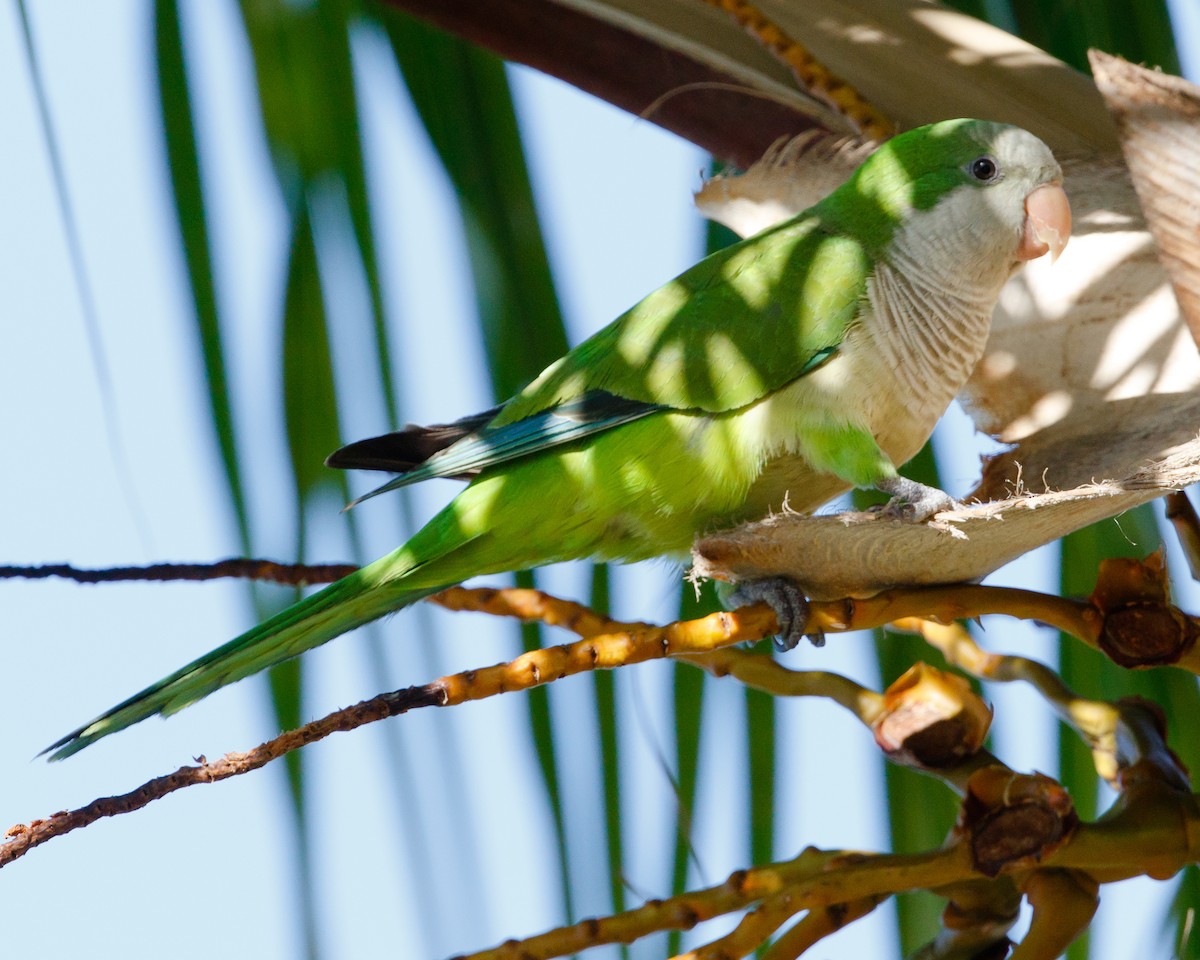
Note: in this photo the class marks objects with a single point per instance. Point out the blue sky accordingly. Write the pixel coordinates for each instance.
(205, 863)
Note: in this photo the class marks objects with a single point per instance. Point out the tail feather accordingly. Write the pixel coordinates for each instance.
(349, 603)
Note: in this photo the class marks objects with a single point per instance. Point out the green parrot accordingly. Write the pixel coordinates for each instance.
(813, 357)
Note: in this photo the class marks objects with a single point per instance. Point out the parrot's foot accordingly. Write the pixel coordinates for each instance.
(788, 602)
(913, 502)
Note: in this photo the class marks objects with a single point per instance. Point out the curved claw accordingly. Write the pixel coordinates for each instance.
(789, 604)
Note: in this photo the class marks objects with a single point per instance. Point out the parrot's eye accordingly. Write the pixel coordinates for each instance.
(984, 169)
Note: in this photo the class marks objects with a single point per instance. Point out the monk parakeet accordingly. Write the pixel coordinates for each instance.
(815, 356)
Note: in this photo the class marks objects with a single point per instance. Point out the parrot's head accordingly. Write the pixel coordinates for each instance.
(978, 196)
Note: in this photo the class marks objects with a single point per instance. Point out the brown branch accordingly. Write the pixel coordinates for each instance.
(1128, 617)
(682, 912)
(22, 838)
(606, 644)
(1122, 735)
(1082, 619)
(1095, 721)
(520, 603)
(964, 601)
(836, 886)
(607, 651)
(1183, 516)
(1152, 829)
(833, 616)
(770, 676)
(525, 604)
(1063, 902)
(528, 670)
(268, 571)
(817, 925)
(814, 880)
(752, 931)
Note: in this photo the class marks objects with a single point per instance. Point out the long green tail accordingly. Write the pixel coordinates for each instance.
(354, 600)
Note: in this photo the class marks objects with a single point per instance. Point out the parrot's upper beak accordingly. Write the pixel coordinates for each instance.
(1047, 223)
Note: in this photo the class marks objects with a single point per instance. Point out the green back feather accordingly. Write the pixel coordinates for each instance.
(732, 329)
(751, 318)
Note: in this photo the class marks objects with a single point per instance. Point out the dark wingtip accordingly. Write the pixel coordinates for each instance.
(374, 453)
(405, 449)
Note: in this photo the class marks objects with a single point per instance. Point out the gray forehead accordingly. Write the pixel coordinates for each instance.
(1014, 145)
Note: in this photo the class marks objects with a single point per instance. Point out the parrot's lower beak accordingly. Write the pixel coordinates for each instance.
(1047, 223)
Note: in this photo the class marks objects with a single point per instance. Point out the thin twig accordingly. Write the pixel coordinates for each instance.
(522, 604)
(945, 603)
(1182, 514)
(816, 879)
(764, 673)
(1095, 721)
(1119, 733)
(964, 601)
(606, 644)
(531, 669)
(752, 931)
(1063, 902)
(819, 924)
(958, 747)
(268, 571)
(22, 838)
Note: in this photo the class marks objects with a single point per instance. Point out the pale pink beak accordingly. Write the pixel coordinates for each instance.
(1047, 223)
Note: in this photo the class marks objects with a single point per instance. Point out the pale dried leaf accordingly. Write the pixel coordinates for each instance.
(917, 61)
(1100, 325)
(791, 176)
(1061, 484)
(1158, 117)
(710, 36)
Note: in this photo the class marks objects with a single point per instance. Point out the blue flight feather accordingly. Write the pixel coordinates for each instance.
(594, 412)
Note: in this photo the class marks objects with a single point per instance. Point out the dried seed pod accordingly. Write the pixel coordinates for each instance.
(931, 719)
(1141, 626)
(1014, 819)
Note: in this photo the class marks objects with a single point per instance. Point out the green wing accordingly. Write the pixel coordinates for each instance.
(737, 326)
(734, 328)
